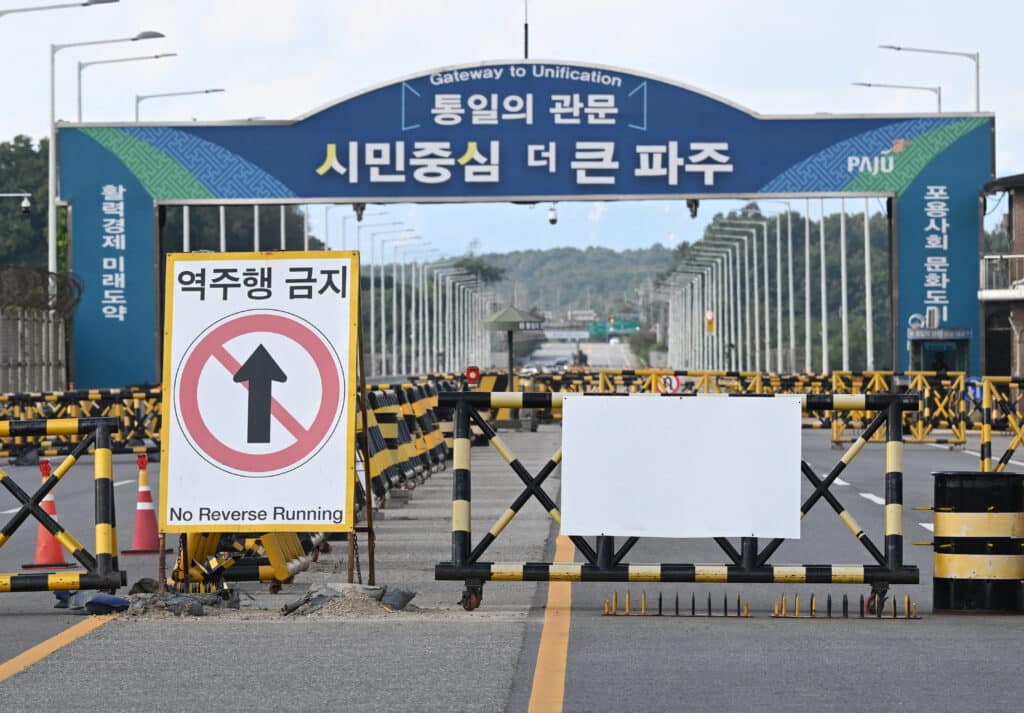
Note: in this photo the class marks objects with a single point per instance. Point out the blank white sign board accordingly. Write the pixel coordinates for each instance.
(703, 466)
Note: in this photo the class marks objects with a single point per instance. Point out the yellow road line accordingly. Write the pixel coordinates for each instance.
(548, 691)
(40, 651)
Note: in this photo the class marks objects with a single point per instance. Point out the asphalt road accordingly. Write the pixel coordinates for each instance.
(600, 355)
(29, 617)
(445, 659)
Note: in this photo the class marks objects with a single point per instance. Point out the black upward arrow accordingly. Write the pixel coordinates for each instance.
(259, 370)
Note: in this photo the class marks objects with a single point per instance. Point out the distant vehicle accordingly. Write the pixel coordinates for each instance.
(561, 362)
(615, 340)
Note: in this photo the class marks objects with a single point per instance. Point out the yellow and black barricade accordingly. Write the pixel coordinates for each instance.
(135, 409)
(101, 568)
(979, 542)
(605, 562)
(999, 409)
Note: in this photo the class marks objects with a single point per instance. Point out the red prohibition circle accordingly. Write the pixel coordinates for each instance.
(203, 352)
(668, 384)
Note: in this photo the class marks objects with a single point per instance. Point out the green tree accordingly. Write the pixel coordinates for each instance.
(487, 272)
(23, 167)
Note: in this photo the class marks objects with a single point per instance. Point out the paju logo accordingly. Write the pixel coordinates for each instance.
(884, 162)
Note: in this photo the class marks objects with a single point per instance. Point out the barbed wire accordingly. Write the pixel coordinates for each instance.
(30, 287)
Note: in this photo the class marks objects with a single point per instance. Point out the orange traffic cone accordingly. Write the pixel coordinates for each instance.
(145, 539)
(49, 553)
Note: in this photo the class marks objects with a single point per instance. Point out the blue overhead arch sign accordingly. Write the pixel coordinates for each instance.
(514, 131)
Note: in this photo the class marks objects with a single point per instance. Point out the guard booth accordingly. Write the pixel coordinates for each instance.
(939, 349)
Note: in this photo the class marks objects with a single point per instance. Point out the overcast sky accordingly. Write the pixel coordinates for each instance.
(281, 58)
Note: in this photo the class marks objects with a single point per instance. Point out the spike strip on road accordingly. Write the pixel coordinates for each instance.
(731, 574)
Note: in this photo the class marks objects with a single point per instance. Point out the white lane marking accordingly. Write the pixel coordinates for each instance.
(966, 452)
(928, 526)
(840, 481)
(873, 498)
(14, 510)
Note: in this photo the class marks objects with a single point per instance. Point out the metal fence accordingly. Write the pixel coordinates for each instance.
(1002, 272)
(32, 350)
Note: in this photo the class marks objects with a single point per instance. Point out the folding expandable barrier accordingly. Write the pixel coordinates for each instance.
(386, 406)
(995, 395)
(604, 563)
(101, 568)
(271, 557)
(943, 405)
(136, 410)
(384, 471)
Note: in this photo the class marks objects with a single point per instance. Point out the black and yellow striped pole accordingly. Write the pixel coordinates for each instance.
(103, 481)
(986, 426)
(461, 531)
(894, 487)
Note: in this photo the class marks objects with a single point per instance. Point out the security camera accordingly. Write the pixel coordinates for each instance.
(552, 215)
(26, 205)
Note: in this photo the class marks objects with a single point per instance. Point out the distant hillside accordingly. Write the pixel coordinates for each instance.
(569, 278)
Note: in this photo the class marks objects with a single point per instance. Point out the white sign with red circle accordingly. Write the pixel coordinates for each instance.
(259, 387)
(669, 384)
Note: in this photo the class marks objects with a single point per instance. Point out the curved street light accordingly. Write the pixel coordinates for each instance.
(83, 65)
(139, 98)
(59, 6)
(937, 91)
(973, 56)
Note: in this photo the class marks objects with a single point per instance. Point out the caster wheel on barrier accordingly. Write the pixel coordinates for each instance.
(274, 588)
(471, 598)
(325, 547)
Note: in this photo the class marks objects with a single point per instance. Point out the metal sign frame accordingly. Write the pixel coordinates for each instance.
(174, 376)
(902, 157)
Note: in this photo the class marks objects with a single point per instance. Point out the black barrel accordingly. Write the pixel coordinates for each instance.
(979, 542)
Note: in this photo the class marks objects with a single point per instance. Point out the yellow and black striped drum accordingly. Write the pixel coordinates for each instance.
(979, 542)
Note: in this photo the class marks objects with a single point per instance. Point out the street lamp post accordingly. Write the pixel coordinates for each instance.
(824, 292)
(394, 304)
(344, 222)
(789, 272)
(416, 309)
(937, 91)
(732, 291)
(58, 6)
(752, 233)
(725, 314)
(51, 225)
(443, 324)
(83, 65)
(373, 310)
(973, 56)
(767, 291)
(743, 323)
(398, 296)
(696, 304)
(433, 334)
(327, 224)
(139, 98)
